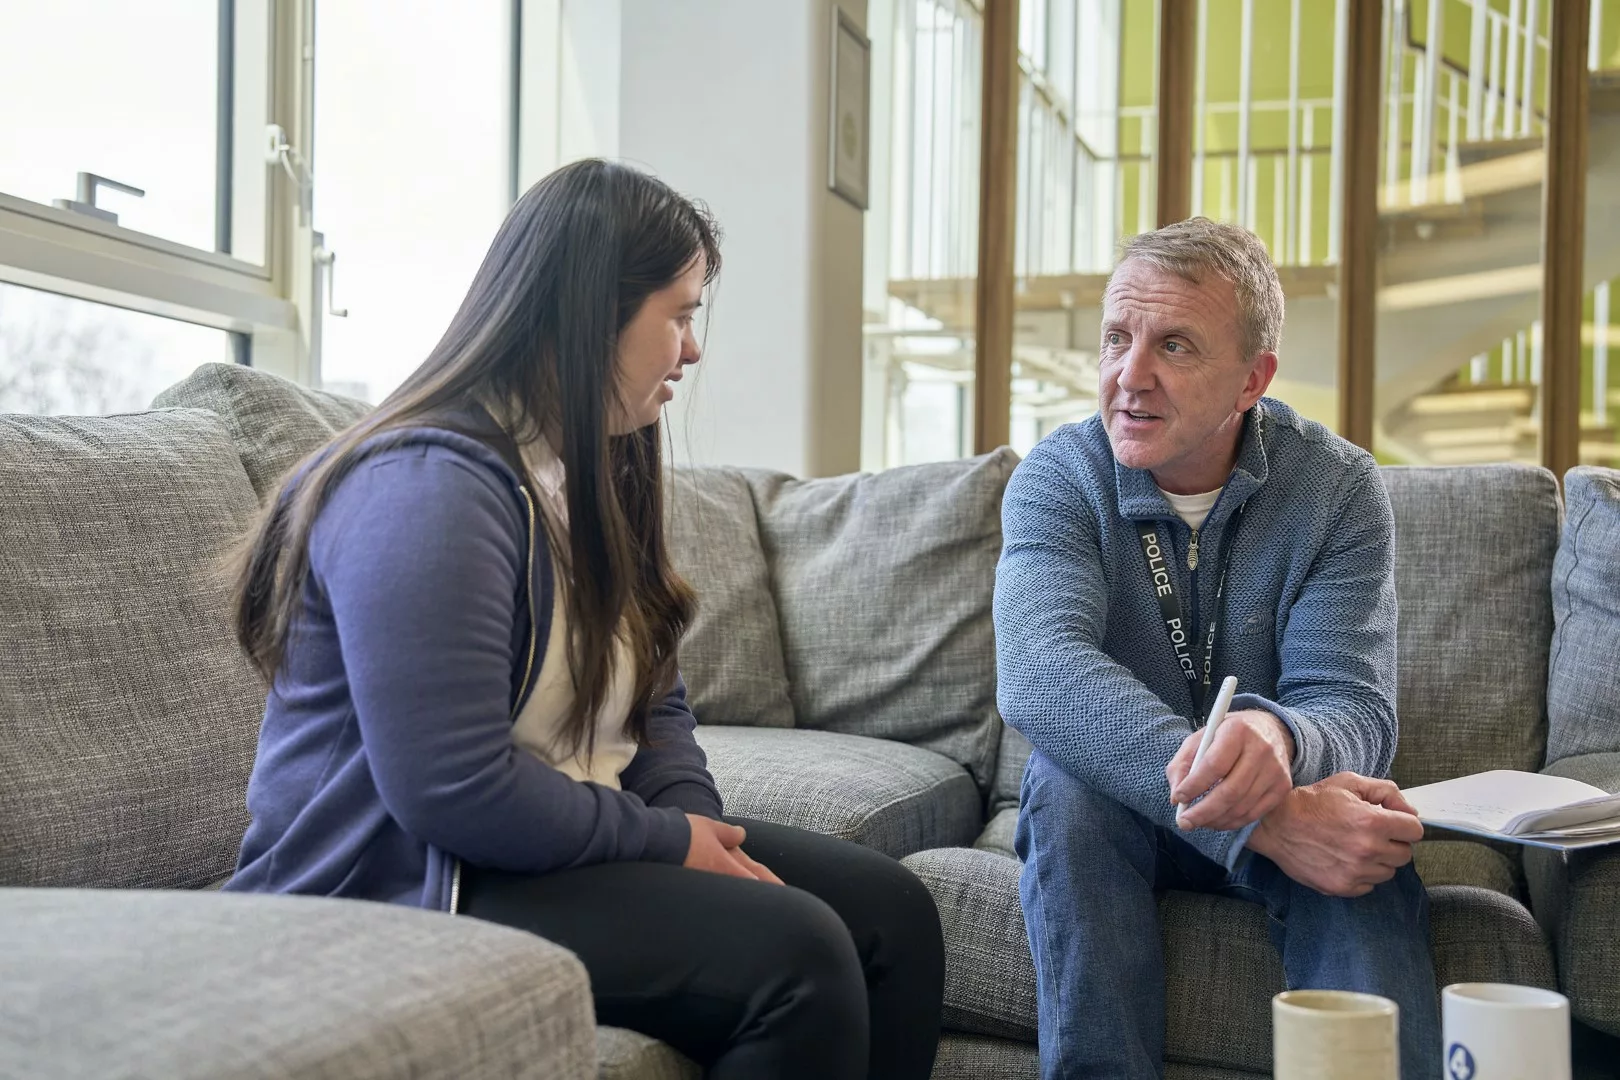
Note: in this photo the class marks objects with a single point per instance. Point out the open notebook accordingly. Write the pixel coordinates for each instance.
(1522, 808)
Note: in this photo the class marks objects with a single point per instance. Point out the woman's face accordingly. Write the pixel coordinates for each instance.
(654, 350)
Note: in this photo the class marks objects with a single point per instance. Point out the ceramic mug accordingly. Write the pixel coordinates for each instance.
(1335, 1035)
(1497, 1031)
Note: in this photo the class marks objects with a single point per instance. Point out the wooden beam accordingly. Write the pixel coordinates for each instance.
(1178, 34)
(1563, 236)
(998, 204)
(1358, 257)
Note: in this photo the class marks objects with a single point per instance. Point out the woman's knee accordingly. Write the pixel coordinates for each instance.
(809, 942)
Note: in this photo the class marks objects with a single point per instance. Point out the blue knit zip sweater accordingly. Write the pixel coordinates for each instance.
(1084, 664)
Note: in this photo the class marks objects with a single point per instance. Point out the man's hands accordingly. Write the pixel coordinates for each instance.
(1252, 758)
(1342, 836)
(717, 848)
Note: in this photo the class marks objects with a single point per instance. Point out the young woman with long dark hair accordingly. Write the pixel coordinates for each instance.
(469, 622)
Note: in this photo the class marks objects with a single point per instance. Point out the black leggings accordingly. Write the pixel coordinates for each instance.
(841, 974)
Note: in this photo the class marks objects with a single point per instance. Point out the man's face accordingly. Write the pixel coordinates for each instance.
(1174, 382)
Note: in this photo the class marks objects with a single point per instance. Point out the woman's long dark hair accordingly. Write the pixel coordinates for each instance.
(535, 342)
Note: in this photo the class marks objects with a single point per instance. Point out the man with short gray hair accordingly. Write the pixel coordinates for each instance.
(1195, 529)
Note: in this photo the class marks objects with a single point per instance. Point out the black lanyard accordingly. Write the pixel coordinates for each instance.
(1162, 579)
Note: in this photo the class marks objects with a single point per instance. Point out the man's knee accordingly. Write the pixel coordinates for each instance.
(1394, 913)
(1057, 808)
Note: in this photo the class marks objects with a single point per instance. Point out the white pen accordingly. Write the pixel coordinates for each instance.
(1217, 713)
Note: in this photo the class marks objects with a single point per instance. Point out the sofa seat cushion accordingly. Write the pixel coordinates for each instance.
(1222, 968)
(979, 1057)
(999, 833)
(891, 797)
(274, 422)
(629, 1055)
(884, 583)
(198, 985)
(128, 716)
(1578, 896)
(976, 1057)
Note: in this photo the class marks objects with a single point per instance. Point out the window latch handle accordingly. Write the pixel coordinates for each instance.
(326, 259)
(85, 200)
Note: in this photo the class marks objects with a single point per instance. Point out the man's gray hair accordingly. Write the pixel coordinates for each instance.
(1198, 247)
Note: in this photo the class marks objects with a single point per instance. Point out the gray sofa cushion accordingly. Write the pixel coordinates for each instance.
(275, 423)
(732, 653)
(1474, 550)
(1466, 862)
(1582, 897)
(118, 984)
(1578, 897)
(1011, 757)
(887, 796)
(976, 1057)
(1583, 681)
(1210, 941)
(989, 976)
(999, 832)
(884, 584)
(630, 1055)
(128, 716)
(979, 1057)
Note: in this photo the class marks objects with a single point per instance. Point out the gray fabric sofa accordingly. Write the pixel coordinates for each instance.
(842, 667)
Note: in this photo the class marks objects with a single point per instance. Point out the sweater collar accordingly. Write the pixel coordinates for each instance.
(1141, 500)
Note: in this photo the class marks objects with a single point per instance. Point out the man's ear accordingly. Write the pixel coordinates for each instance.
(1261, 372)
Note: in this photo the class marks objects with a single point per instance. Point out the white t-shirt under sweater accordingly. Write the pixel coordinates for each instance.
(1192, 509)
(539, 725)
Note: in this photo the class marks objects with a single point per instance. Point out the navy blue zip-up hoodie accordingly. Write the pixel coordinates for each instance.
(386, 753)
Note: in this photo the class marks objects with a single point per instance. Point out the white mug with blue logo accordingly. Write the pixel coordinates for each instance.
(1497, 1031)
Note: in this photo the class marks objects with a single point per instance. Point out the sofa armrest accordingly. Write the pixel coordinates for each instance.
(190, 985)
(1576, 899)
(1600, 770)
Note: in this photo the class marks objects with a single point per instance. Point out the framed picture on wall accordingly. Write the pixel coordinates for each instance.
(849, 150)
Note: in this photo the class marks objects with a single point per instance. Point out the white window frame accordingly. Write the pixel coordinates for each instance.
(60, 251)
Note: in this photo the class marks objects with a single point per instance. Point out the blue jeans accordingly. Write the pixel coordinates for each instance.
(1093, 870)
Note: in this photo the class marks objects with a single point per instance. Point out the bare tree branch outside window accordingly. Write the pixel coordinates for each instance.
(64, 356)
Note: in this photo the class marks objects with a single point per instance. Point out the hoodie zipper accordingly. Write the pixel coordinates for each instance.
(528, 671)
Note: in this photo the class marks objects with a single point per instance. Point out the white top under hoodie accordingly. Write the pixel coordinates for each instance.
(539, 724)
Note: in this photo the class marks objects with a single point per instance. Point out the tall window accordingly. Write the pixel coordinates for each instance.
(921, 230)
(135, 186)
(1464, 126)
(1086, 179)
(1267, 88)
(413, 172)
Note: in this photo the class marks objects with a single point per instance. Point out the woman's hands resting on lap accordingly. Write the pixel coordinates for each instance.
(717, 848)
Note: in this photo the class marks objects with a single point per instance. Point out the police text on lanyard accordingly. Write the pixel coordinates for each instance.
(1162, 577)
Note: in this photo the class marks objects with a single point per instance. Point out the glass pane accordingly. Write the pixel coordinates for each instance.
(130, 92)
(1459, 357)
(59, 355)
(922, 231)
(412, 175)
(1600, 332)
(1086, 179)
(1263, 158)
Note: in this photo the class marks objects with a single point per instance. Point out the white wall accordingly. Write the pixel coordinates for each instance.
(727, 100)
